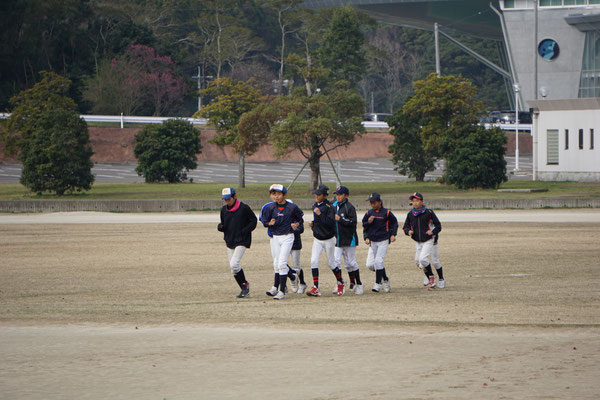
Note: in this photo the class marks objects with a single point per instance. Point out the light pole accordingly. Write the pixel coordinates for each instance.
(517, 88)
(200, 78)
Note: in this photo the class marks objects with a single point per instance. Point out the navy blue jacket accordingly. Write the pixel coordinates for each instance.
(284, 215)
(383, 226)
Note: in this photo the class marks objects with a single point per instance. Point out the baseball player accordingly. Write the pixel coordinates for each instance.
(323, 228)
(346, 240)
(291, 272)
(237, 223)
(380, 228)
(282, 218)
(422, 225)
(297, 276)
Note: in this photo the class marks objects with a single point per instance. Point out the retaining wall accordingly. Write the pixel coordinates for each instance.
(187, 205)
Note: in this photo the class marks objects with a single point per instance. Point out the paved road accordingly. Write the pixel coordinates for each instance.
(370, 170)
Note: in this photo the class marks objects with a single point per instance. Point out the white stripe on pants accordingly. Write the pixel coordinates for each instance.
(422, 253)
(318, 247)
(349, 254)
(376, 255)
(235, 256)
(281, 247)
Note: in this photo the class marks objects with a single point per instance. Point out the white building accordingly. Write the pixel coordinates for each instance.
(565, 140)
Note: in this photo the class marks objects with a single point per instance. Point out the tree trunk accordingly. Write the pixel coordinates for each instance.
(242, 170)
(315, 168)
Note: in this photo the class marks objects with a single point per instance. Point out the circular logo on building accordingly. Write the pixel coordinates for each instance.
(548, 49)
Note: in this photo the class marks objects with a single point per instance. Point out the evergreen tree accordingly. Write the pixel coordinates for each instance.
(164, 151)
(56, 154)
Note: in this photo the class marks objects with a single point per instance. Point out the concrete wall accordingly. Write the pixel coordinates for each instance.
(188, 205)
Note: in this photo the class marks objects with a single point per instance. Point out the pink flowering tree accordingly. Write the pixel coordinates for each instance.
(146, 78)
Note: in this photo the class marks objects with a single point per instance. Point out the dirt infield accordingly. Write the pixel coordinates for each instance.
(147, 310)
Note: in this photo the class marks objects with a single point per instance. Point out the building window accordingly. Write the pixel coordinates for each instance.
(566, 139)
(509, 3)
(591, 139)
(581, 139)
(552, 146)
(555, 3)
(589, 83)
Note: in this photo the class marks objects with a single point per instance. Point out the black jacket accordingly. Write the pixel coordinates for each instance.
(383, 226)
(237, 226)
(324, 225)
(420, 222)
(346, 235)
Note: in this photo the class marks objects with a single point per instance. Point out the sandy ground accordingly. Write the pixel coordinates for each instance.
(144, 307)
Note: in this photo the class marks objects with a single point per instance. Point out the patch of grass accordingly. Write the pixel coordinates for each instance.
(165, 191)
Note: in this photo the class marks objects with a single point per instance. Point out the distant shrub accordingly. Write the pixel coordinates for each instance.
(166, 152)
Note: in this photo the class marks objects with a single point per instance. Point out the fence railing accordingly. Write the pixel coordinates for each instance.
(130, 119)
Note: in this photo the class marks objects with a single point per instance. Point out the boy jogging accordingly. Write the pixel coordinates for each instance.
(237, 223)
(422, 225)
(346, 241)
(291, 272)
(323, 228)
(380, 228)
(282, 218)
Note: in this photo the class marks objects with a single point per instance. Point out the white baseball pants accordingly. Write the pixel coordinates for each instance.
(281, 247)
(318, 247)
(435, 257)
(235, 257)
(349, 254)
(376, 255)
(296, 259)
(422, 252)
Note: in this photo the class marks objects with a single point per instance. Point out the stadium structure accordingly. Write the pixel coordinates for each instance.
(550, 60)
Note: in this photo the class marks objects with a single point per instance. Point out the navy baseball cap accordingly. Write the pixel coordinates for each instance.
(342, 190)
(416, 195)
(374, 197)
(278, 188)
(227, 193)
(322, 189)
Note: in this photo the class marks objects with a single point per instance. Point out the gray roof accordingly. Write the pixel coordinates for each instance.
(472, 17)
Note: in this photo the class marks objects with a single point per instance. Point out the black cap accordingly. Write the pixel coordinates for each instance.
(374, 197)
(416, 195)
(322, 189)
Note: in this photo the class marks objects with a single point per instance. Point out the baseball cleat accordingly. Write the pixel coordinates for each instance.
(335, 288)
(272, 292)
(279, 296)
(441, 283)
(244, 293)
(352, 286)
(341, 288)
(386, 286)
(425, 281)
(431, 283)
(376, 288)
(359, 289)
(301, 288)
(314, 291)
